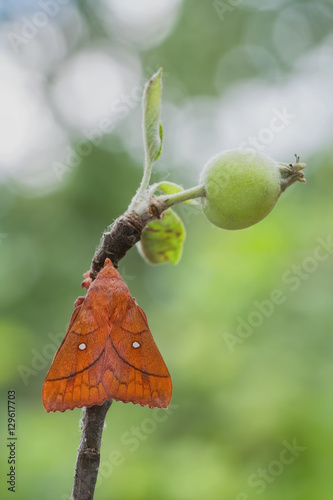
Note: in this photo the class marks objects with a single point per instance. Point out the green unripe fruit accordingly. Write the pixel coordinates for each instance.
(242, 186)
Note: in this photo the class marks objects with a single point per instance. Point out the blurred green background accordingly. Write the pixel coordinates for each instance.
(238, 406)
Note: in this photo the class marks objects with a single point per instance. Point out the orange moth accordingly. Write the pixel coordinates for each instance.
(108, 352)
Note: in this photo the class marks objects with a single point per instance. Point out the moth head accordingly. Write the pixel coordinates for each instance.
(108, 271)
(108, 262)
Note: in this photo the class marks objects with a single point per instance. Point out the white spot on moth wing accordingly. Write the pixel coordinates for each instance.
(136, 345)
(82, 346)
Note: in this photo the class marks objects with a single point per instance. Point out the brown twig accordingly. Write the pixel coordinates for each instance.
(88, 456)
(124, 234)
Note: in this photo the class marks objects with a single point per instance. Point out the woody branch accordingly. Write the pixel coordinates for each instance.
(126, 230)
(124, 233)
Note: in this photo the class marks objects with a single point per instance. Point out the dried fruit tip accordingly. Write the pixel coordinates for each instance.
(292, 172)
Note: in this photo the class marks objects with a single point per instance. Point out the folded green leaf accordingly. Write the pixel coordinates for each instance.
(162, 240)
(158, 154)
(153, 131)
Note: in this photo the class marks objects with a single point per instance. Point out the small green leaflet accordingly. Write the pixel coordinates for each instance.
(162, 240)
(153, 130)
(172, 188)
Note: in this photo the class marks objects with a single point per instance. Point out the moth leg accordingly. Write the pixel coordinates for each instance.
(79, 301)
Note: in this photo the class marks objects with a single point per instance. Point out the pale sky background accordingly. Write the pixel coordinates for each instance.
(53, 90)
